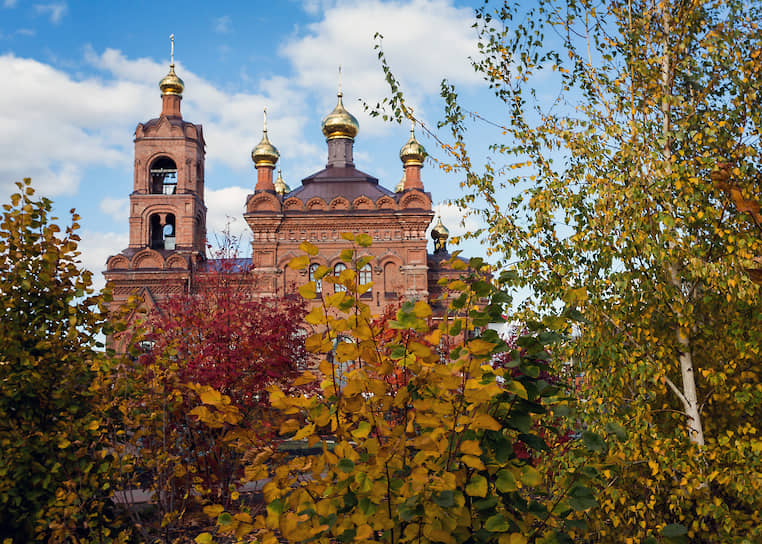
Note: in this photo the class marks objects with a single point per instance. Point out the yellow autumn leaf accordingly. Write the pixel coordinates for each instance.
(422, 309)
(315, 316)
(477, 346)
(210, 396)
(299, 263)
(470, 447)
(472, 461)
(308, 290)
(309, 248)
(364, 532)
(305, 378)
(485, 421)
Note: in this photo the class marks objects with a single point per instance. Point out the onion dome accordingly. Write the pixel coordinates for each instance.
(440, 232)
(265, 153)
(280, 185)
(401, 185)
(171, 83)
(340, 123)
(412, 153)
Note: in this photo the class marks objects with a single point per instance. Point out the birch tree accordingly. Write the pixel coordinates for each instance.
(600, 195)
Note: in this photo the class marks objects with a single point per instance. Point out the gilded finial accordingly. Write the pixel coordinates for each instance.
(280, 184)
(412, 153)
(440, 234)
(265, 153)
(340, 123)
(171, 83)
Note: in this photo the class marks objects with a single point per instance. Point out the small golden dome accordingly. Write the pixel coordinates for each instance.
(171, 83)
(401, 185)
(440, 232)
(280, 185)
(340, 123)
(264, 153)
(412, 153)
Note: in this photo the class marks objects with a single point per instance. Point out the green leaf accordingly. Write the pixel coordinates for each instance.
(593, 441)
(674, 530)
(497, 524)
(506, 481)
(347, 465)
(581, 498)
(477, 486)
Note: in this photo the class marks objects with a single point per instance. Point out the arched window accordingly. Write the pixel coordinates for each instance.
(341, 368)
(318, 283)
(390, 280)
(162, 231)
(163, 176)
(337, 270)
(366, 274)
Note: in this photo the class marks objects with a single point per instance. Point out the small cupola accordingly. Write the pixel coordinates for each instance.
(440, 234)
(281, 187)
(265, 155)
(340, 128)
(412, 155)
(171, 87)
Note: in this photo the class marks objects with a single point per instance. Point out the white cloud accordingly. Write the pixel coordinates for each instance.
(223, 25)
(414, 42)
(96, 247)
(117, 208)
(9, 3)
(53, 126)
(225, 209)
(54, 10)
(457, 220)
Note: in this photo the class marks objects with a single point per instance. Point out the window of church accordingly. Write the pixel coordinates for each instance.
(338, 269)
(162, 231)
(318, 283)
(163, 176)
(366, 274)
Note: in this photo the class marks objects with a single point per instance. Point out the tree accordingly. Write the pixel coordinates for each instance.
(601, 197)
(223, 336)
(56, 464)
(414, 444)
(193, 393)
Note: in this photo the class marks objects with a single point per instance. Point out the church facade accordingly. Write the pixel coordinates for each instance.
(167, 222)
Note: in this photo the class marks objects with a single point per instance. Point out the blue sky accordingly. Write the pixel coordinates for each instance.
(79, 76)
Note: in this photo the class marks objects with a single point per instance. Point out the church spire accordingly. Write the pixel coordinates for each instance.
(265, 155)
(412, 155)
(171, 86)
(340, 128)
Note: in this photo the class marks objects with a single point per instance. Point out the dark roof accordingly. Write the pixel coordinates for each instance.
(336, 181)
(173, 120)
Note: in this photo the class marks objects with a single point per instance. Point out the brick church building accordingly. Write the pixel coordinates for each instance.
(167, 235)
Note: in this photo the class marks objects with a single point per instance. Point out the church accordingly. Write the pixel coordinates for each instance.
(167, 219)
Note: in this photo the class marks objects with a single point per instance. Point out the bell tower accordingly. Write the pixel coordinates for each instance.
(167, 211)
(167, 237)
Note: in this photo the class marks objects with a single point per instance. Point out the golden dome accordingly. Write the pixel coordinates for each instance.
(264, 153)
(412, 153)
(280, 185)
(440, 232)
(340, 123)
(401, 185)
(171, 83)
